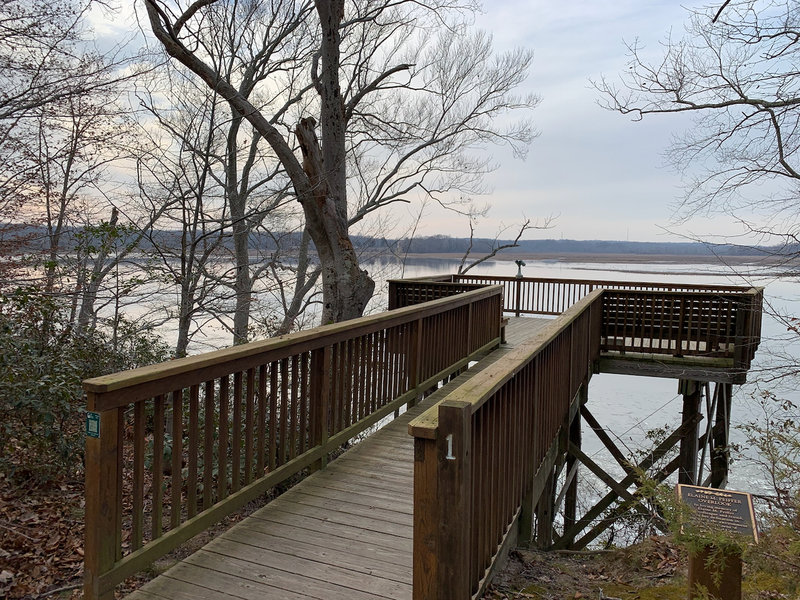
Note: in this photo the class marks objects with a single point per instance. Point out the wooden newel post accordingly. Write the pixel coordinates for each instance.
(454, 457)
(103, 520)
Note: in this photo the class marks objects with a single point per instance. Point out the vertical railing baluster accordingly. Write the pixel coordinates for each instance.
(158, 466)
(177, 458)
(222, 454)
(249, 425)
(194, 427)
(236, 438)
(137, 516)
(208, 444)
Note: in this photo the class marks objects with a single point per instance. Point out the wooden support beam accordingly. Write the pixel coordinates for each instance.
(545, 513)
(609, 498)
(618, 488)
(692, 393)
(607, 441)
(595, 531)
(720, 437)
(571, 482)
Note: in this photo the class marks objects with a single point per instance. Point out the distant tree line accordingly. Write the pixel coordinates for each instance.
(35, 240)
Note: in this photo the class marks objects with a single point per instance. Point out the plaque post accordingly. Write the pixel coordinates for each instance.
(723, 581)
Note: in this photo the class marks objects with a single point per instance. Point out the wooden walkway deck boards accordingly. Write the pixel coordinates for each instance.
(342, 533)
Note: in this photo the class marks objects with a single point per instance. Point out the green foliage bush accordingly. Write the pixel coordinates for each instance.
(42, 364)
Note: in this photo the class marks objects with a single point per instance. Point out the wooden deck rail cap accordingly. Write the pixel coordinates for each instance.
(600, 283)
(304, 340)
(479, 389)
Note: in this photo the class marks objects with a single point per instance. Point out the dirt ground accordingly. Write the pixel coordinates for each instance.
(653, 569)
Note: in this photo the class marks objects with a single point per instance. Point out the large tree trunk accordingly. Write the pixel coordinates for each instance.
(346, 288)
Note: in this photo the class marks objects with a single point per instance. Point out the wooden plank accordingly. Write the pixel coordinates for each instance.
(351, 508)
(235, 559)
(372, 524)
(291, 546)
(217, 584)
(363, 486)
(355, 533)
(377, 555)
(356, 495)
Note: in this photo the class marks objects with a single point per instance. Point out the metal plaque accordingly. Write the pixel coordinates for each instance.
(721, 510)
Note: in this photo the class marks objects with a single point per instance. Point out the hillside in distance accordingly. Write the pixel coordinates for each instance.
(446, 245)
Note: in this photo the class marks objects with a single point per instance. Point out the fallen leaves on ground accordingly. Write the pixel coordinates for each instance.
(41, 538)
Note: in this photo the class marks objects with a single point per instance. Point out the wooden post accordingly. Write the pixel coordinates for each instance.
(320, 401)
(692, 392)
(544, 514)
(103, 519)
(706, 583)
(719, 448)
(454, 458)
(425, 571)
(571, 497)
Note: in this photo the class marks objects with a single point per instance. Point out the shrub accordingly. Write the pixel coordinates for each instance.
(42, 364)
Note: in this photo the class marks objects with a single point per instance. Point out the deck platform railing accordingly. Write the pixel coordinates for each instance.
(483, 454)
(546, 296)
(676, 319)
(190, 441)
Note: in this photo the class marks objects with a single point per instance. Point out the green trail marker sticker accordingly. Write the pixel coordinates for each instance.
(93, 424)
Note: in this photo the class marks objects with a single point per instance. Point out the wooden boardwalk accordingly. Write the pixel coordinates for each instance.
(342, 533)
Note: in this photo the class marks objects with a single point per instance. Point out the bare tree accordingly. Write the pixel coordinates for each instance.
(735, 73)
(397, 118)
(319, 179)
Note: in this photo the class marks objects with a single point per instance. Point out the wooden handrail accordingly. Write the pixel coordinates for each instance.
(550, 296)
(197, 438)
(481, 452)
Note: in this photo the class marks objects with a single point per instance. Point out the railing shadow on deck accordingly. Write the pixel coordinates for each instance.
(193, 440)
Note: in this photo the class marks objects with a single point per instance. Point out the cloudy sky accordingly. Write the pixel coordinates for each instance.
(599, 174)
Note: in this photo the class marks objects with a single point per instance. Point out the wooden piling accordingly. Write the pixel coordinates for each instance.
(692, 392)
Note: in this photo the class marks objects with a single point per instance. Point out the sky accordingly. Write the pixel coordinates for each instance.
(600, 174)
(596, 173)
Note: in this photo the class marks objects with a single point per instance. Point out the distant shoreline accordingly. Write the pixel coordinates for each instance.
(569, 257)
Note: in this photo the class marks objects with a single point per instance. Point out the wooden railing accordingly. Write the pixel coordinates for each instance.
(683, 324)
(174, 447)
(484, 453)
(542, 296)
(676, 319)
(404, 292)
